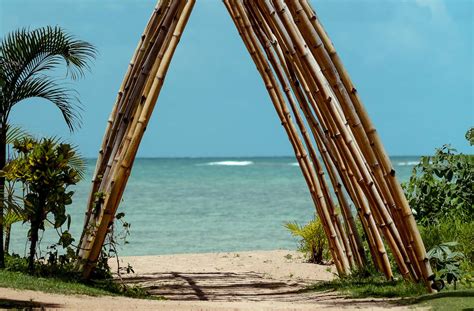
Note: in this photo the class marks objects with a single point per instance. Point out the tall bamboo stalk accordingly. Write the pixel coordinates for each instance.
(281, 71)
(320, 204)
(333, 112)
(121, 173)
(407, 225)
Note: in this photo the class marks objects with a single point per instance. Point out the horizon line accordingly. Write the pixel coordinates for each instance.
(236, 157)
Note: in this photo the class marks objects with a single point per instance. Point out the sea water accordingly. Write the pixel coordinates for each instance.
(191, 205)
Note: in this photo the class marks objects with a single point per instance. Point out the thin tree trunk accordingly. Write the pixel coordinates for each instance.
(35, 224)
(34, 241)
(3, 160)
(8, 229)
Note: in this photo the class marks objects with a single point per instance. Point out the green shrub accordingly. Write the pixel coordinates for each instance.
(313, 242)
(446, 262)
(43, 167)
(441, 187)
(450, 230)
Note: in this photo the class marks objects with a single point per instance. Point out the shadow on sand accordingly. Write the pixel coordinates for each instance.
(230, 286)
(26, 304)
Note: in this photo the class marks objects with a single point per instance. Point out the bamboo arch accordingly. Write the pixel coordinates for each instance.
(320, 110)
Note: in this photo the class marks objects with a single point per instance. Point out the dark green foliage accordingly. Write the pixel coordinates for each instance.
(442, 187)
(446, 262)
(441, 194)
(26, 58)
(470, 136)
(313, 242)
(43, 167)
(452, 230)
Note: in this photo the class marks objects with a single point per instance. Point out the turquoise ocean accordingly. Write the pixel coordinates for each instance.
(194, 205)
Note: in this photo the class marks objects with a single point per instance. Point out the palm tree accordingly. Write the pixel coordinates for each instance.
(26, 57)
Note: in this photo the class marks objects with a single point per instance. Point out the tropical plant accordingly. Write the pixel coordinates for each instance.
(441, 187)
(43, 167)
(26, 56)
(12, 202)
(446, 262)
(451, 230)
(313, 242)
(117, 234)
(470, 136)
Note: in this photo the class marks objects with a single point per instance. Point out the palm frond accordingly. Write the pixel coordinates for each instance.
(25, 56)
(14, 204)
(26, 52)
(294, 228)
(15, 132)
(12, 217)
(78, 163)
(48, 89)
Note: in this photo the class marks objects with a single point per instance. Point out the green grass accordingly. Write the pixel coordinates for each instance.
(411, 294)
(19, 280)
(373, 286)
(451, 300)
(63, 279)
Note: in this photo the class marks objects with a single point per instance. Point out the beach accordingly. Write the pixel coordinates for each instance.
(254, 280)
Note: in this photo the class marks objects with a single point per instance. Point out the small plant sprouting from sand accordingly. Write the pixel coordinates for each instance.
(312, 240)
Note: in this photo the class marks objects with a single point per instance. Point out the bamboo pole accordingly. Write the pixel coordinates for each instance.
(122, 121)
(330, 72)
(335, 113)
(120, 176)
(337, 134)
(281, 71)
(407, 223)
(278, 69)
(305, 112)
(115, 111)
(277, 98)
(301, 154)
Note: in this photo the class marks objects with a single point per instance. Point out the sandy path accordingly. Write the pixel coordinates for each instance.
(262, 280)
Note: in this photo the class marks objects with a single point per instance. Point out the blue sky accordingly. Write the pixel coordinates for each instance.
(412, 62)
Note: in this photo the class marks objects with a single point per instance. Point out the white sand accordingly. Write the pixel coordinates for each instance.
(257, 280)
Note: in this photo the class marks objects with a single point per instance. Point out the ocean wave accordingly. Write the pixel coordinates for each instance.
(230, 163)
(408, 163)
(294, 164)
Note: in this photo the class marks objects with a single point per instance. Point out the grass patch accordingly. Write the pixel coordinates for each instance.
(446, 300)
(19, 280)
(372, 286)
(411, 294)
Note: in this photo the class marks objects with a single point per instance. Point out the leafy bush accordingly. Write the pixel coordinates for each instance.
(441, 186)
(42, 166)
(441, 194)
(446, 262)
(451, 230)
(313, 242)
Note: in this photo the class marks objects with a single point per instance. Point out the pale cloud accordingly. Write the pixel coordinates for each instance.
(411, 30)
(436, 7)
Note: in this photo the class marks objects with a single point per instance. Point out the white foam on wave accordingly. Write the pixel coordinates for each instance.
(408, 163)
(294, 164)
(230, 163)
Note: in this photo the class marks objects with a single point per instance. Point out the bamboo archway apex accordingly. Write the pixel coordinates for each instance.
(321, 112)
